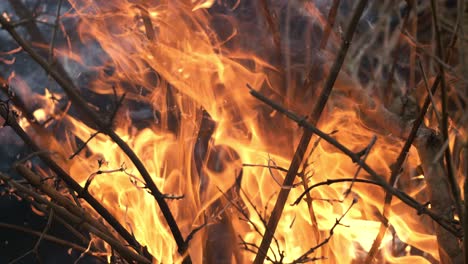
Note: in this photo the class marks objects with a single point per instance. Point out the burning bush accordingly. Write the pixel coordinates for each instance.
(237, 131)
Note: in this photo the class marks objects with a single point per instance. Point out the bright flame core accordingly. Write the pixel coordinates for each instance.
(196, 70)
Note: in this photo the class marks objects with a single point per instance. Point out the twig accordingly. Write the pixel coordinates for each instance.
(356, 158)
(83, 254)
(99, 172)
(57, 197)
(331, 22)
(118, 104)
(195, 231)
(272, 24)
(270, 167)
(396, 51)
(264, 222)
(304, 256)
(307, 135)
(429, 92)
(308, 199)
(366, 153)
(103, 126)
(54, 33)
(44, 209)
(80, 148)
(333, 181)
(17, 101)
(452, 252)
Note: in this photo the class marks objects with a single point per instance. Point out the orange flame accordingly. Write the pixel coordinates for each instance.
(184, 61)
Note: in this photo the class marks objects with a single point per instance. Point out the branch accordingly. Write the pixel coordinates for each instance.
(307, 135)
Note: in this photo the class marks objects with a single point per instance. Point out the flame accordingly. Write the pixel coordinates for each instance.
(186, 67)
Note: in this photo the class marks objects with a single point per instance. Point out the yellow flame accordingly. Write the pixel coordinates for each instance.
(196, 71)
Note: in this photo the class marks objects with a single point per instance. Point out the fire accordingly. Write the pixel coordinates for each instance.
(175, 72)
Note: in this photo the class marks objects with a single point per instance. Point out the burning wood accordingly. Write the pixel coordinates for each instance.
(170, 131)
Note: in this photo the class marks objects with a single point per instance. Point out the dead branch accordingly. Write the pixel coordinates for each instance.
(307, 135)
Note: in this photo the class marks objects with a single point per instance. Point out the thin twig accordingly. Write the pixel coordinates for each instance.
(195, 231)
(429, 92)
(366, 154)
(305, 256)
(35, 249)
(80, 148)
(54, 33)
(272, 24)
(333, 181)
(83, 254)
(307, 135)
(396, 52)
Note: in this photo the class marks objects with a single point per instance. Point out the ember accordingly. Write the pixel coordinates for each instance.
(235, 131)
